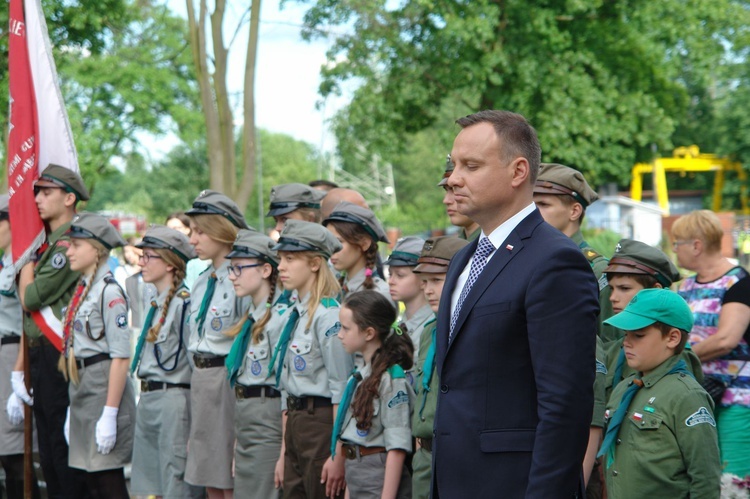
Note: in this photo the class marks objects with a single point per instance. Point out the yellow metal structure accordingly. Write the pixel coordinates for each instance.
(683, 160)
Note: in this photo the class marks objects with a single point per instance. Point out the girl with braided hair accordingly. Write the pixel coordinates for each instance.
(259, 452)
(95, 358)
(161, 362)
(374, 422)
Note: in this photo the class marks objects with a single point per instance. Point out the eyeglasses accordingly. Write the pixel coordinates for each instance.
(237, 269)
(676, 244)
(146, 257)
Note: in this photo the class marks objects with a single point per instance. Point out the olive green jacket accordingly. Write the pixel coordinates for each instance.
(598, 264)
(423, 417)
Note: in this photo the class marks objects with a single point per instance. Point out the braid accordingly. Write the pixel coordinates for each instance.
(370, 263)
(177, 277)
(68, 367)
(258, 327)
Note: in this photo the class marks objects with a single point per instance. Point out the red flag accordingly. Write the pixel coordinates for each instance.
(39, 134)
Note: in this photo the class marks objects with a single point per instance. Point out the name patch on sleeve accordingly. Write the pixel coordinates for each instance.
(700, 416)
(400, 398)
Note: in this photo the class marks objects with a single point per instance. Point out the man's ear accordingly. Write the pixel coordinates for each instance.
(70, 200)
(576, 210)
(674, 337)
(521, 171)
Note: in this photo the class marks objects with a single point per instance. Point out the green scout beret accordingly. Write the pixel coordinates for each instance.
(63, 178)
(635, 257)
(558, 179)
(286, 198)
(94, 226)
(437, 253)
(307, 236)
(406, 252)
(352, 213)
(211, 202)
(253, 244)
(161, 237)
(654, 305)
(5, 205)
(449, 166)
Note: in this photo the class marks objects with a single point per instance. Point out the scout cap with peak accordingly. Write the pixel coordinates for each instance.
(94, 226)
(406, 252)
(253, 244)
(5, 204)
(559, 179)
(307, 236)
(211, 202)
(352, 213)
(449, 166)
(162, 237)
(437, 253)
(654, 305)
(286, 198)
(63, 178)
(635, 257)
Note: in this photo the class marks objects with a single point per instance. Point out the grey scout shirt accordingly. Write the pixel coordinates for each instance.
(356, 283)
(414, 327)
(11, 314)
(315, 363)
(103, 314)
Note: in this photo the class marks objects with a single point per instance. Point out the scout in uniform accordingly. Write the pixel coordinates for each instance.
(310, 361)
(468, 228)
(358, 231)
(562, 196)
(295, 202)
(95, 358)
(374, 418)
(431, 267)
(45, 287)
(11, 320)
(661, 436)
(214, 308)
(162, 364)
(257, 415)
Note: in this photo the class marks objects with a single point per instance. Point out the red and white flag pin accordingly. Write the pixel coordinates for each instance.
(509, 247)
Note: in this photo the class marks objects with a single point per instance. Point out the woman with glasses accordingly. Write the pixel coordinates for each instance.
(95, 359)
(719, 296)
(259, 453)
(161, 362)
(214, 222)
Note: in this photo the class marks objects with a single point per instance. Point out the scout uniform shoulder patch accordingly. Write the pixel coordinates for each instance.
(122, 321)
(603, 282)
(600, 367)
(58, 261)
(333, 330)
(400, 398)
(700, 416)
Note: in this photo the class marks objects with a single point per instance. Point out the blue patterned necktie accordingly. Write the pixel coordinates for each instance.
(142, 337)
(346, 400)
(484, 249)
(286, 334)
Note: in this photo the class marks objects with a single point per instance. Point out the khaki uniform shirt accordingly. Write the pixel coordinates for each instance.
(600, 397)
(167, 359)
(224, 310)
(315, 363)
(414, 327)
(598, 264)
(667, 445)
(474, 235)
(103, 314)
(391, 420)
(54, 282)
(11, 313)
(426, 403)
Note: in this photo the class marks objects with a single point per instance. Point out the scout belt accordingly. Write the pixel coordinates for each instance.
(249, 392)
(202, 362)
(94, 359)
(352, 451)
(8, 340)
(299, 403)
(152, 386)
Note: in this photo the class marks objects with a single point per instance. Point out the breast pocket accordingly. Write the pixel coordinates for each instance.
(302, 357)
(257, 357)
(492, 309)
(646, 421)
(220, 316)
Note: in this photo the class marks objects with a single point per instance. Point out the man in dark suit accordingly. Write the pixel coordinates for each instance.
(516, 330)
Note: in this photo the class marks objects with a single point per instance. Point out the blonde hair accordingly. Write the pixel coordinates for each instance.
(67, 366)
(258, 326)
(326, 285)
(700, 224)
(216, 227)
(178, 276)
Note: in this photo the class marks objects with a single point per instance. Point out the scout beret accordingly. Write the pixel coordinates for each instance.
(559, 179)
(635, 257)
(365, 218)
(162, 237)
(95, 226)
(449, 166)
(64, 178)
(5, 204)
(253, 244)
(437, 253)
(211, 202)
(654, 305)
(406, 252)
(307, 236)
(286, 198)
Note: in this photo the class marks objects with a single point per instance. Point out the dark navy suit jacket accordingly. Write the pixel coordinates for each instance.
(516, 381)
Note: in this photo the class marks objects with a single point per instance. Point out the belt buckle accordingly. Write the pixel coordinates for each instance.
(293, 403)
(239, 392)
(200, 362)
(350, 452)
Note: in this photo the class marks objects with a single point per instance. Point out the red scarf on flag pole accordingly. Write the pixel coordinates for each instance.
(39, 134)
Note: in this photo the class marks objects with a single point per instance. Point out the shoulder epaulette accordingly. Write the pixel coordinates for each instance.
(591, 255)
(184, 294)
(396, 371)
(329, 302)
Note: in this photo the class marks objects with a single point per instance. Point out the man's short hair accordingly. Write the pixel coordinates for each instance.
(517, 137)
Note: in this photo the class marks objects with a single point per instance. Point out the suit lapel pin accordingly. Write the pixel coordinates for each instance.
(509, 247)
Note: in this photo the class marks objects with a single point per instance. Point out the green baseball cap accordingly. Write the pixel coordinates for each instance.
(654, 305)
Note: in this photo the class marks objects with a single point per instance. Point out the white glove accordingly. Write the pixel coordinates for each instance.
(106, 430)
(66, 427)
(15, 409)
(19, 387)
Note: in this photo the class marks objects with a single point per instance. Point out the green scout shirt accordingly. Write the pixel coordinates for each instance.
(667, 445)
(472, 236)
(600, 400)
(54, 282)
(423, 417)
(598, 264)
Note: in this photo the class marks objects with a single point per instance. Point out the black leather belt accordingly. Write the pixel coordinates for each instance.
(152, 386)
(94, 359)
(425, 443)
(202, 362)
(250, 392)
(9, 340)
(352, 451)
(300, 403)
